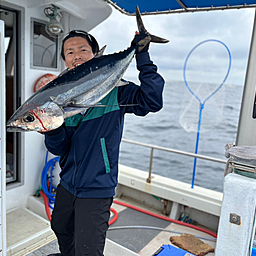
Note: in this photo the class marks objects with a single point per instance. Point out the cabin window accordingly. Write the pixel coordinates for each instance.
(12, 20)
(44, 50)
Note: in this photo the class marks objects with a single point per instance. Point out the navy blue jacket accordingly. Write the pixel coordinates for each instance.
(88, 145)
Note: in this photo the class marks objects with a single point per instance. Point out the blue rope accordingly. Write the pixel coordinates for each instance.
(49, 166)
(199, 100)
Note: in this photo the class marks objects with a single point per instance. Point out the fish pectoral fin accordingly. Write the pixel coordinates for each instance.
(74, 105)
(99, 105)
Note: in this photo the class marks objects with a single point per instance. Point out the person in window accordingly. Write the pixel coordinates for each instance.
(88, 146)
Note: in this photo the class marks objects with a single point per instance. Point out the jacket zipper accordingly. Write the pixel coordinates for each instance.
(75, 171)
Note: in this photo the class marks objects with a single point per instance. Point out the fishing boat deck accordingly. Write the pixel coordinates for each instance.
(146, 241)
(123, 242)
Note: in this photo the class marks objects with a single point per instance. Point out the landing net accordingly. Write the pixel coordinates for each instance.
(206, 67)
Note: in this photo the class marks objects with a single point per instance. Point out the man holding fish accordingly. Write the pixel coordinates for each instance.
(88, 144)
(84, 127)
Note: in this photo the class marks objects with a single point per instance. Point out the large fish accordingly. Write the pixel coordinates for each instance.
(76, 90)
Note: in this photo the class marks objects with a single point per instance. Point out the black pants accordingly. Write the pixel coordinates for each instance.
(80, 224)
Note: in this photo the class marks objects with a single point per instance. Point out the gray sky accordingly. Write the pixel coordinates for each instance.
(185, 31)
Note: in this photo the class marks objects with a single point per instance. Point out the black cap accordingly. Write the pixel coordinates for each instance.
(80, 33)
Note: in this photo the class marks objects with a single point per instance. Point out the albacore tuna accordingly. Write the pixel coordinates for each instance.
(75, 90)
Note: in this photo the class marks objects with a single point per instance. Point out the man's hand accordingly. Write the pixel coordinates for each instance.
(141, 42)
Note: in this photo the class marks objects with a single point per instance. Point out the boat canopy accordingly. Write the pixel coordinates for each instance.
(178, 6)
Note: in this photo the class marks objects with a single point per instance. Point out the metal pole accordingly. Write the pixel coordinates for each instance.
(150, 166)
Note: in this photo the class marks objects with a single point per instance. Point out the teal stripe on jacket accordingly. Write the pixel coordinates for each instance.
(92, 113)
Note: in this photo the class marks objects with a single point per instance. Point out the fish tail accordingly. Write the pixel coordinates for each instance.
(141, 28)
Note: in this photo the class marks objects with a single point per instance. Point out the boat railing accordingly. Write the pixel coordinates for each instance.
(154, 147)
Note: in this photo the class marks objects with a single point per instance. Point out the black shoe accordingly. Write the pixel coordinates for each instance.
(55, 254)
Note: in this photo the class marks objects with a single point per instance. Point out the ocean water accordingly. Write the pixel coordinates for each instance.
(175, 127)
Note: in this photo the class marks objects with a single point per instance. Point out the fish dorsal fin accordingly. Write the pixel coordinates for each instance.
(100, 52)
(122, 83)
(63, 72)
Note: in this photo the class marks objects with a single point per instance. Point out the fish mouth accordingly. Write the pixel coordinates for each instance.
(10, 127)
(15, 129)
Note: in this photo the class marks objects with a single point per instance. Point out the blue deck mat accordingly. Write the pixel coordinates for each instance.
(169, 250)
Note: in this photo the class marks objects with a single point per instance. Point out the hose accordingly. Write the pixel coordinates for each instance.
(114, 218)
(47, 209)
(47, 186)
(165, 218)
(49, 165)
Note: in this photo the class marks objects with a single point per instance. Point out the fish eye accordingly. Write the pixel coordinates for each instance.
(28, 119)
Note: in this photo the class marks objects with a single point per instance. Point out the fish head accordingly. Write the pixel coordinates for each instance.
(40, 119)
